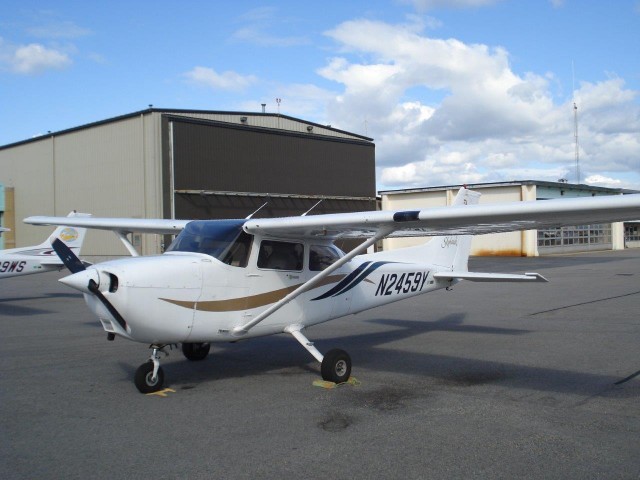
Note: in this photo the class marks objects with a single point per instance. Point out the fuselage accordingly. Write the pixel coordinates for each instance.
(26, 261)
(41, 258)
(190, 296)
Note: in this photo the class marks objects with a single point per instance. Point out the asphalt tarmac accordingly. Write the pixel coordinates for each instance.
(489, 380)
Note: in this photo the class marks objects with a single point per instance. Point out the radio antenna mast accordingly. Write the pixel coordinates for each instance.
(278, 100)
(575, 124)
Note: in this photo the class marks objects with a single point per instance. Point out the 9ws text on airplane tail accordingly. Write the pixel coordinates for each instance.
(41, 258)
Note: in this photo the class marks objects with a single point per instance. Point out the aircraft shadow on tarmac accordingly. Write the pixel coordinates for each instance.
(9, 307)
(281, 355)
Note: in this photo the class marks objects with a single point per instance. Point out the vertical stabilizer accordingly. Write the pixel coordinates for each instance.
(73, 237)
(452, 251)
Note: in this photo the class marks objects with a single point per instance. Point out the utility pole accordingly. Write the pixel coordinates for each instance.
(577, 146)
(575, 123)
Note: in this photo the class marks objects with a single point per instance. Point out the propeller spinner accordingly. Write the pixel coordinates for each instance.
(84, 280)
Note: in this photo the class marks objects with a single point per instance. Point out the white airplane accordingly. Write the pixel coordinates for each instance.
(41, 258)
(227, 280)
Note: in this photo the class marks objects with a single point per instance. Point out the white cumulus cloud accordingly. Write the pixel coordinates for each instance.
(445, 111)
(423, 5)
(228, 80)
(32, 59)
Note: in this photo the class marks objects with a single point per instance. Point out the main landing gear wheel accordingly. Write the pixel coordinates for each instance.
(144, 378)
(336, 366)
(195, 351)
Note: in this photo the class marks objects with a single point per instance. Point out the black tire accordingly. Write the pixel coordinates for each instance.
(195, 351)
(336, 366)
(143, 378)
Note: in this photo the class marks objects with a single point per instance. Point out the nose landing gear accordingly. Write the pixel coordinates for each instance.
(149, 376)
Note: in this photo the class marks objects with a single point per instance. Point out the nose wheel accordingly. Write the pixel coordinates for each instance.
(149, 376)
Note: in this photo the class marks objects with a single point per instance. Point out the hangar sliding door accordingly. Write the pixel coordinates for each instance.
(222, 170)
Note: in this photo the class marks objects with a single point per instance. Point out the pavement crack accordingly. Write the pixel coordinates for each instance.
(584, 303)
(626, 379)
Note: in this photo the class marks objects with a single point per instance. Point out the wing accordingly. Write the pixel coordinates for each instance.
(455, 220)
(123, 225)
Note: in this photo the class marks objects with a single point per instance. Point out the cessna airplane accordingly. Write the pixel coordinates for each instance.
(227, 280)
(40, 258)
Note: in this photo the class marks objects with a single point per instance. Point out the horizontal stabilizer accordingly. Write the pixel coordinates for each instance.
(52, 261)
(56, 262)
(490, 277)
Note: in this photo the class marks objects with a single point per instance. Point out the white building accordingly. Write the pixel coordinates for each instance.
(526, 243)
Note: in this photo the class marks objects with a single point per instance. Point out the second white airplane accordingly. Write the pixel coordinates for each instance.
(41, 258)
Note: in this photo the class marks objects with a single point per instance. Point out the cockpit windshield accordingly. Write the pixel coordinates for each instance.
(224, 240)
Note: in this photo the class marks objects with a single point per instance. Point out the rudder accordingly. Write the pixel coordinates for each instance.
(73, 237)
(452, 251)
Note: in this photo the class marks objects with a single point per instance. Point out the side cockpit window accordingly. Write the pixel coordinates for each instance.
(280, 255)
(322, 256)
(238, 253)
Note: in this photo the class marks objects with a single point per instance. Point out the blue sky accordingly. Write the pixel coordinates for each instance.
(451, 91)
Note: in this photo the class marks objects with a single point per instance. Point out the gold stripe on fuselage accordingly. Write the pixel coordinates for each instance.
(249, 302)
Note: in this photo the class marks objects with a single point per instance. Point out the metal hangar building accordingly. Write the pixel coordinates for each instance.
(185, 164)
(529, 243)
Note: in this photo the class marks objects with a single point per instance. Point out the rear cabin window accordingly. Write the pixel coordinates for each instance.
(280, 255)
(322, 256)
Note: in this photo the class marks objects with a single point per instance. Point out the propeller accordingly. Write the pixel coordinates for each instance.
(93, 288)
(70, 260)
(75, 266)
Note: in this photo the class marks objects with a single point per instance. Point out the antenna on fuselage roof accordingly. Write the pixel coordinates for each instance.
(259, 208)
(317, 203)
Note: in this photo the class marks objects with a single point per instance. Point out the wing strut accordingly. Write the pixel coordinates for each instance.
(243, 329)
(296, 331)
(128, 245)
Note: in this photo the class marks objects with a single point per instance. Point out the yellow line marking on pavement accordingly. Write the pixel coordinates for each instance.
(162, 393)
(329, 385)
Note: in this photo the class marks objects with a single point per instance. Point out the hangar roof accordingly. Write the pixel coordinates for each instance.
(264, 120)
(538, 183)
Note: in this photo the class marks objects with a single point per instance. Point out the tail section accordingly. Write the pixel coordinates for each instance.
(452, 251)
(73, 237)
(448, 251)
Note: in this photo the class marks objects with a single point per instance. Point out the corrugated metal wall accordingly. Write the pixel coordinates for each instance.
(29, 169)
(110, 170)
(268, 120)
(122, 167)
(230, 158)
(216, 157)
(208, 206)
